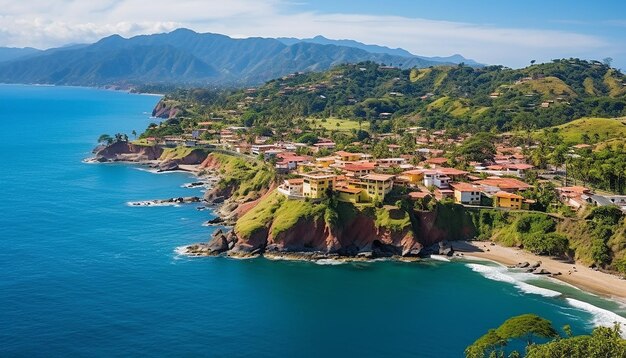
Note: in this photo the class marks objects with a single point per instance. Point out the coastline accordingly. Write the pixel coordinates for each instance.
(577, 275)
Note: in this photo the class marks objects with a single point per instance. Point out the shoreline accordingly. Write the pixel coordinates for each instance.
(579, 276)
(574, 274)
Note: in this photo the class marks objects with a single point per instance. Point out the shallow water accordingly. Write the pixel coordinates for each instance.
(84, 274)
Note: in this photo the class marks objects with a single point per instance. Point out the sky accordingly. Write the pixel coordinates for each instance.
(506, 32)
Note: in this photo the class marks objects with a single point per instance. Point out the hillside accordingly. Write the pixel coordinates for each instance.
(592, 130)
(467, 98)
(186, 57)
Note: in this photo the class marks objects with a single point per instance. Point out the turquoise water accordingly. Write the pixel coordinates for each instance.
(83, 274)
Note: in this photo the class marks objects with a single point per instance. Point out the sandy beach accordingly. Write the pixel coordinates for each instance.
(574, 274)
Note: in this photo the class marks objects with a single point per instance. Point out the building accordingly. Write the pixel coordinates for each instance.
(414, 176)
(377, 185)
(347, 156)
(358, 169)
(506, 200)
(465, 193)
(257, 149)
(433, 178)
(509, 185)
(292, 187)
(316, 184)
(351, 195)
(325, 162)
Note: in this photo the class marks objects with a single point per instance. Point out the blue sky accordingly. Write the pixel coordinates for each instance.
(501, 32)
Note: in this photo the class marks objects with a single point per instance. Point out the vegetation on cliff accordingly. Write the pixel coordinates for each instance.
(245, 177)
(527, 329)
(465, 98)
(598, 238)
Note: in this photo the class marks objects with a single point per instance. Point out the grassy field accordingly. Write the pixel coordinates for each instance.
(598, 129)
(548, 87)
(336, 124)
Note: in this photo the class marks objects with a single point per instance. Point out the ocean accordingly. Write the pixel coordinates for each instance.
(82, 274)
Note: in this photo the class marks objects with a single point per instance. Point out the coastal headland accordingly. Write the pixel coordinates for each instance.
(243, 193)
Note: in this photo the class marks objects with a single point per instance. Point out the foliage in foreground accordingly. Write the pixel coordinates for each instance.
(602, 342)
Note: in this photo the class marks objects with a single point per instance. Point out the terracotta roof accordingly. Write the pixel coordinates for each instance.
(295, 181)
(418, 195)
(519, 166)
(343, 153)
(504, 194)
(437, 160)
(378, 177)
(504, 183)
(464, 187)
(573, 189)
(451, 171)
(358, 167)
(349, 190)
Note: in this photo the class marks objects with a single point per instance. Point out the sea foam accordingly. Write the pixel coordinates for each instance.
(439, 258)
(601, 317)
(500, 274)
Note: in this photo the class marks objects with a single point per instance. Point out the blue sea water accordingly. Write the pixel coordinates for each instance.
(82, 274)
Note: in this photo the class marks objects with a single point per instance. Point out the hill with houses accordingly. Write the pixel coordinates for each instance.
(368, 159)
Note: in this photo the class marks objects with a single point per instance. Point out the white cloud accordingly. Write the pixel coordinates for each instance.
(42, 23)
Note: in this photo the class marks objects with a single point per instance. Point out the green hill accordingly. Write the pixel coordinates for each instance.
(467, 98)
(593, 130)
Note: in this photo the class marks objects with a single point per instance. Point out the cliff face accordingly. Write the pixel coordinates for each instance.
(280, 226)
(165, 110)
(126, 151)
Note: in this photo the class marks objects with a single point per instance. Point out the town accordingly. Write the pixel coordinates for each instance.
(319, 170)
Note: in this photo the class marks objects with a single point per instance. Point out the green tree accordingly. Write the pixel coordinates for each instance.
(105, 139)
(525, 327)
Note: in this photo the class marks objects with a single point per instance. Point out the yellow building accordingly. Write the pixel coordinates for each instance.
(377, 186)
(325, 162)
(347, 156)
(415, 176)
(315, 185)
(503, 199)
(351, 195)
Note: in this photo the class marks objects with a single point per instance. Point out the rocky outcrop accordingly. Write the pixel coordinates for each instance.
(164, 110)
(126, 151)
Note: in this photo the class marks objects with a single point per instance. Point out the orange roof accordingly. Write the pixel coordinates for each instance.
(418, 195)
(519, 166)
(573, 189)
(358, 167)
(451, 171)
(349, 190)
(464, 187)
(504, 183)
(295, 181)
(437, 160)
(378, 177)
(504, 194)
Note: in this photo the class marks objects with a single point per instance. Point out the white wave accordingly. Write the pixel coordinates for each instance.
(601, 317)
(181, 251)
(143, 204)
(500, 274)
(439, 258)
(194, 185)
(329, 262)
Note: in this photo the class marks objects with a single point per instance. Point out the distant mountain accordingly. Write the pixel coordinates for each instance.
(186, 57)
(13, 53)
(455, 59)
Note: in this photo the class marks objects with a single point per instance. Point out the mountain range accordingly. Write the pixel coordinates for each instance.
(184, 57)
